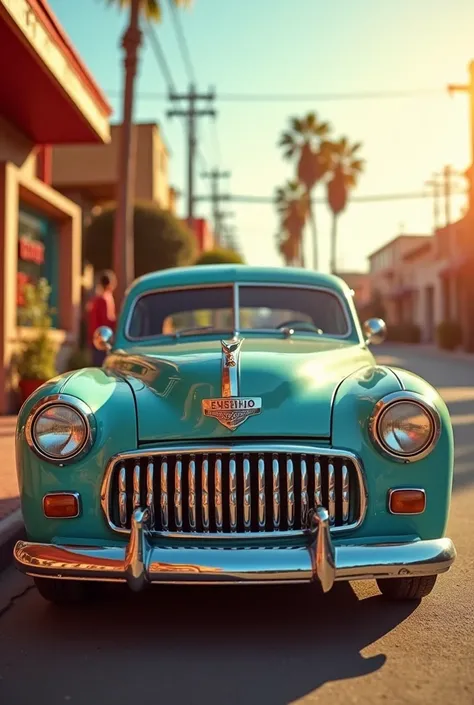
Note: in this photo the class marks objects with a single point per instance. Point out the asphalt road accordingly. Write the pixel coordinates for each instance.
(264, 645)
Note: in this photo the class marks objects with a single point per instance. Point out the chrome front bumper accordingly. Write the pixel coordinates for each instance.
(141, 562)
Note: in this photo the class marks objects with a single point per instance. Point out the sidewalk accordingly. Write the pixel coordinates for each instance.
(10, 515)
(429, 349)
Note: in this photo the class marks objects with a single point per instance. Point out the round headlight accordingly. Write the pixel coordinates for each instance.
(59, 431)
(405, 428)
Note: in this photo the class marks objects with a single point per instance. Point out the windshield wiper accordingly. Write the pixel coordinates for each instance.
(190, 331)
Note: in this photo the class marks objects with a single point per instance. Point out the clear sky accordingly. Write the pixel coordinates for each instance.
(315, 47)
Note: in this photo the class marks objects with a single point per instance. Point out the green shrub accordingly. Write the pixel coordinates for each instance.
(37, 360)
(220, 256)
(403, 333)
(449, 335)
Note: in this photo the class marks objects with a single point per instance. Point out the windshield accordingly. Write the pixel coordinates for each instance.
(209, 310)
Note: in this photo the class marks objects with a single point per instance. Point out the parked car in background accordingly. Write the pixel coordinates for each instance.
(240, 431)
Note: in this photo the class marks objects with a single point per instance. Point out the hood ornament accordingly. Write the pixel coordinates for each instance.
(231, 410)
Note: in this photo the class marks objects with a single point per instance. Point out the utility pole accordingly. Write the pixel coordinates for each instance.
(469, 89)
(223, 230)
(192, 113)
(436, 198)
(215, 175)
(447, 174)
(123, 248)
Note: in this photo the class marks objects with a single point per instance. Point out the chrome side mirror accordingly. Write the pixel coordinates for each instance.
(103, 338)
(375, 331)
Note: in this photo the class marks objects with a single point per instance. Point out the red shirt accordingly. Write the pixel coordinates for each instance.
(101, 312)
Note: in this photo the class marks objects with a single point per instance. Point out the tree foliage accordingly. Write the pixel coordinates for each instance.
(220, 256)
(151, 9)
(161, 240)
(292, 203)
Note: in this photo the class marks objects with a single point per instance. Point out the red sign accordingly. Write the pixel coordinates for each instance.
(31, 250)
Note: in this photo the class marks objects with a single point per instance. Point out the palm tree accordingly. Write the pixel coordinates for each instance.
(304, 141)
(123, 236)
(292, 205)
(345, 167)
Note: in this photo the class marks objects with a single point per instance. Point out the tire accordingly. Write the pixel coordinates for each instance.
(407, 588)
(62, 592)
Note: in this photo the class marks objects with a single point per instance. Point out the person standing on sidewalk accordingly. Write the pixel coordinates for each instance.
(101, 312)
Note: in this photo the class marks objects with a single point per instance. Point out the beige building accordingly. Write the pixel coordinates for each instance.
(87, 174)
(359, 282)
(389, 279)
(47, 97)
(416, 280)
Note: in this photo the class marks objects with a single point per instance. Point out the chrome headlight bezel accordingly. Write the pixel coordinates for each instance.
(77, 405)
(388, 402)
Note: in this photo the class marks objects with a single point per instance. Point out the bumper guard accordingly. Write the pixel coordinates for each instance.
(141, 562)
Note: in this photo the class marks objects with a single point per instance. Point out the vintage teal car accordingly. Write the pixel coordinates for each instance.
(240, 431)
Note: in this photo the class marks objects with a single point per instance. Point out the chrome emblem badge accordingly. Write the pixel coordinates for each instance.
(231, 410)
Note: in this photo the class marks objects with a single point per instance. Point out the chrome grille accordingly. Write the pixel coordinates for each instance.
(234, 492)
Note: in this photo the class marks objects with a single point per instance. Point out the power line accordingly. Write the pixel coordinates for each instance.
(166, 71)
(380, 197)
(215, 175)
(300, 97)
(160, 57)
(191, 113)
(183, 45)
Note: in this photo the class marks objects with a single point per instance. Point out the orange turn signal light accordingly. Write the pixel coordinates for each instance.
(61, 505)
(407, 501)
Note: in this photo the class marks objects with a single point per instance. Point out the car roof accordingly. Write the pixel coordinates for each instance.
(198, 275)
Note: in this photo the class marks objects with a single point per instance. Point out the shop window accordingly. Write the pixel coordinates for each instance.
(38, 256)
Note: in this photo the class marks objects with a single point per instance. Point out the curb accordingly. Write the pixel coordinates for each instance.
(11, 531)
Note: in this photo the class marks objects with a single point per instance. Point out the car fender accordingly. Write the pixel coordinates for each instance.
(353, 407)
(112, 403)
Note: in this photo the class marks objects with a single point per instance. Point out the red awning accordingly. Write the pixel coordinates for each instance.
(45, 89)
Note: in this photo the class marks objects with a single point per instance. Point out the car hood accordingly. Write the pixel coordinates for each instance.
(295, 378)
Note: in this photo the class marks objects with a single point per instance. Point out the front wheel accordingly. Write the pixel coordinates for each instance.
(62, 592)
(407, 588)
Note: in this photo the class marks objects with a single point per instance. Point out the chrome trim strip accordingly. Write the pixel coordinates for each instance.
(261, 493)
(232, 493)
(136, 501)
(150, 496)
(276, 492)
(230, 367)
(236, 309)
(178, 494)
(140, 562)
(164, 492)
(192, 493)
(77, 405)
(290, 489)
(345, 494)
(304, 491)
(318, 497)
(69, 494)
(403, 514)
(123, 495)
(241, 448)
(205, 493)
(218, 492)
(247, 494)
(235, 286)
(397, 398)
(332, 492)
